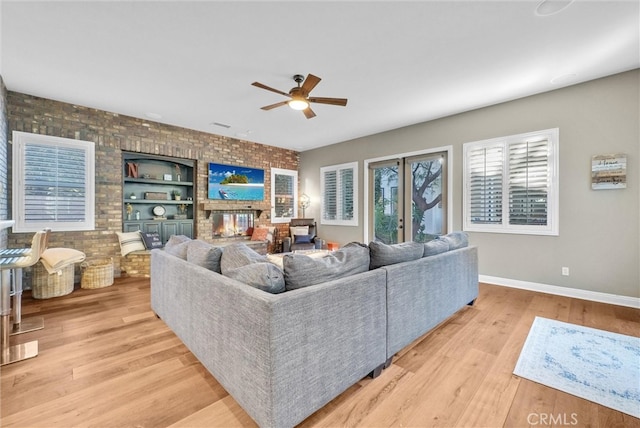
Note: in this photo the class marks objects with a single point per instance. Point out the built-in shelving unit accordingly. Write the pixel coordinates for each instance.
(158, 195)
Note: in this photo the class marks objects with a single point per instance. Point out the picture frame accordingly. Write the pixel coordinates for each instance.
(609, 171)
(168, 177)
(235, 182)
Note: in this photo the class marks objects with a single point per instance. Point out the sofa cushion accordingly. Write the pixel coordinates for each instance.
(302, 271)
(262, 275)
(238, 255)
(130, 241)
(383, 254)
(456, 240)
(203, 254)
(435, 246)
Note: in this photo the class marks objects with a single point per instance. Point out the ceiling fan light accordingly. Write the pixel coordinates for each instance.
(298, 104)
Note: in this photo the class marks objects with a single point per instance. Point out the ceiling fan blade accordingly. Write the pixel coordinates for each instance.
(269, 107)
(332, 101)
(309, 83)
(260, 85)
(309, 113)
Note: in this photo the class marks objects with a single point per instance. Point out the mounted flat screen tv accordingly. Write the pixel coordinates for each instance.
(235, 183)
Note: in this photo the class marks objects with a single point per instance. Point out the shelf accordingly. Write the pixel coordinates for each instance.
(157, 201)
(157, 181)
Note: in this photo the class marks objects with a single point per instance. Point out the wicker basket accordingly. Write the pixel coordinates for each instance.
(97, 273)
(45, 285)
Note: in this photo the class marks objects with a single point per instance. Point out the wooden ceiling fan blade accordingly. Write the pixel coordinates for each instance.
(271, 106)
(332, 101)
(260, 85)
(309, 113)
(309, 83)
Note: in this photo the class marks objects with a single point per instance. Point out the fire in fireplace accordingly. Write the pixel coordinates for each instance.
(226, 224)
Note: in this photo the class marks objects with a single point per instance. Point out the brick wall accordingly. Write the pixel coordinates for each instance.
(113, 134)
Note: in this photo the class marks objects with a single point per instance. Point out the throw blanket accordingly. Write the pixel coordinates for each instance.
(55, 259)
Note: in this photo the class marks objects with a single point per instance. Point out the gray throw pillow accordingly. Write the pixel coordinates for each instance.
(456, 240)
(383, 254)
(435, 246)
(177, 246)
(263, 275)
(238, 255)
(303, 271)
(203, 254)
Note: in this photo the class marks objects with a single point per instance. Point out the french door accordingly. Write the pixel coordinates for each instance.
(407, 198)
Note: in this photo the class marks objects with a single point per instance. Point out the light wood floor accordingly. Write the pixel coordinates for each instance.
(106, 361)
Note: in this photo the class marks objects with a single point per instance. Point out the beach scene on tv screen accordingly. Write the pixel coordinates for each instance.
(233, 182)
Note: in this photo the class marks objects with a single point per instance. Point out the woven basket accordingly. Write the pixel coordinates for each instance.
(45, 285)
(97, 273)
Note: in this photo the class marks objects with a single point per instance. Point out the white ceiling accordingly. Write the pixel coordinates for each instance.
(398, 63)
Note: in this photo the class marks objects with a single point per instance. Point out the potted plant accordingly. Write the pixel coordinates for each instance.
(177, 195)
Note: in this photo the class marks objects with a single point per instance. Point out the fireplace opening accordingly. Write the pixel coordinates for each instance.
(226, 224)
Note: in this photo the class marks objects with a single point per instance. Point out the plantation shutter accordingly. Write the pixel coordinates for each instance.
(339, 190)
(54, 184)
(346, 194)
(528, 183)
(284, 195)
(485, 184)
(330, 195)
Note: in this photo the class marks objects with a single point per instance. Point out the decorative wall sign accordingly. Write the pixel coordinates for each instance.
(609, 172)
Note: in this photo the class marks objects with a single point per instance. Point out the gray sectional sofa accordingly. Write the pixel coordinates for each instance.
(284, 341)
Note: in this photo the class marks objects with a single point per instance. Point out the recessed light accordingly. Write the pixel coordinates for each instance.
(551, 7)
(563, 78)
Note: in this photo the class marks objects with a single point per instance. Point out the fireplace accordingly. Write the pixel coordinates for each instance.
(228, 224)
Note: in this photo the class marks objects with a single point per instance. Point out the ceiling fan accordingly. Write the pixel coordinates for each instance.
(299, 95)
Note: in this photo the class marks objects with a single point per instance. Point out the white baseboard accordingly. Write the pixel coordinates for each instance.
(613, 299)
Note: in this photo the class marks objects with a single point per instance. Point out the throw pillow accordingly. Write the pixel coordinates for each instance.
(238, 255)
(298, 230)
(151, 240)
(203, 254)
(129, 242)
(383, 254)
(456, 240)
(260, 234)
(302, 271)
(435, 246)
(301, 239)
(263, 275)
(177, 245)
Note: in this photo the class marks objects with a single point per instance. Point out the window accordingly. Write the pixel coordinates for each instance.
(511, 184)
(339, 191)
(53, 183)
(284, 195)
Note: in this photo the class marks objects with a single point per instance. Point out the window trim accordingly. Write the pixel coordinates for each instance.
(552, 227)
(294, 174)
(339, 222)
(19, 141)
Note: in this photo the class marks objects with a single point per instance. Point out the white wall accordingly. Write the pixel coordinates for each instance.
(599, 230)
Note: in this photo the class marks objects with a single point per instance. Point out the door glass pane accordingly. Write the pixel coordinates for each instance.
(426, 192)
(385, 203)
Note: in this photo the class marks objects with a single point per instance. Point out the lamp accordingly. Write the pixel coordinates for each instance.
(305, 201)
(298, 103)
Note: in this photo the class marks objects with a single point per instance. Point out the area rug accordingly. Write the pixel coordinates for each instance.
(593, 364)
